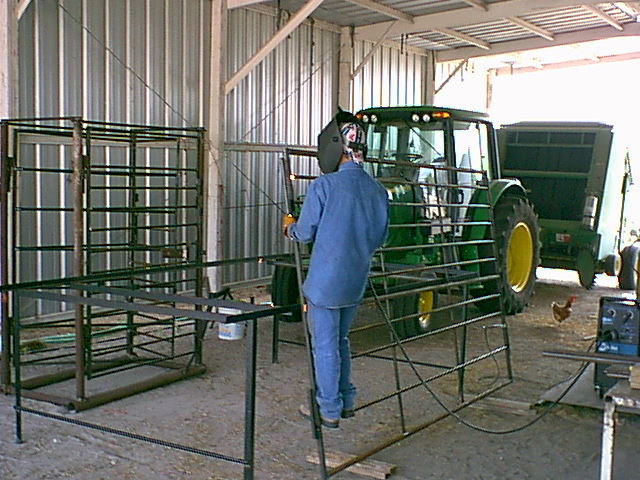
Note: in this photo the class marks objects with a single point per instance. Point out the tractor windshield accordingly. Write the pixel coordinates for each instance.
(400, 143)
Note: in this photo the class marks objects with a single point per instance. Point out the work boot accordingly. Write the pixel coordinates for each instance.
(326, 422)
(348, 413)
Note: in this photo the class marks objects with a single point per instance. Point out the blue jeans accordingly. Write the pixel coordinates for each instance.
(329, 328)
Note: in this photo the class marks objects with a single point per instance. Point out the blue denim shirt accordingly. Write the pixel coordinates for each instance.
(345, 215)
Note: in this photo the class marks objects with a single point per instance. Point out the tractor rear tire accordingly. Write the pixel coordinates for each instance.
(518, 255)
(422, 302)
(628, 276)
(284, 291)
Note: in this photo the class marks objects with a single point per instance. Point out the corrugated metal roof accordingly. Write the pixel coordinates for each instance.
(556, 20)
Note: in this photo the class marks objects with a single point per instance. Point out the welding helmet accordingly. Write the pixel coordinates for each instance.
(332, 143)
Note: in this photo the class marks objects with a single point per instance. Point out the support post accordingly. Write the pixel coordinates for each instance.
(78, 254)
(8, 106)
(215, 131)
(345, 65)
(429, 79)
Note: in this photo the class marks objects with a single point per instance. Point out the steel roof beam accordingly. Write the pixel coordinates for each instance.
(242, 3)
(463, 37)
(569, 38)
(625, 57)
(383, 9)
(466, 16)
(629, 9)
(541, 32)
(21, 7)
(603, 16)
(293, 23)
(478, 4)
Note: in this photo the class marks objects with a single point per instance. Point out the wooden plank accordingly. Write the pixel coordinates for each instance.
(367, 468)
(504, 405)
(634, 376)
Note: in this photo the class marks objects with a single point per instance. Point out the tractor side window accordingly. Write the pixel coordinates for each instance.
(472, 150)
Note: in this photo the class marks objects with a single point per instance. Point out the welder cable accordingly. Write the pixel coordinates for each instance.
(547, 408)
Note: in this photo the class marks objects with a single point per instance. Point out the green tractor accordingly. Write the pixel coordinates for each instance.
(416, 149)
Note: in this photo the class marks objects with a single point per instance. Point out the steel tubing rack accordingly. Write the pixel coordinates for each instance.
(80, 198)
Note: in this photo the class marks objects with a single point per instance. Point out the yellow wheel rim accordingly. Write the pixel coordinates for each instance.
(425, 305)
(519, 255)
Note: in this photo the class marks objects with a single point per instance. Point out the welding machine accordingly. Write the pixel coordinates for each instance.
(618, 333)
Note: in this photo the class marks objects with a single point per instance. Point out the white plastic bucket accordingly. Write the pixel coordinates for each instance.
(230, 331)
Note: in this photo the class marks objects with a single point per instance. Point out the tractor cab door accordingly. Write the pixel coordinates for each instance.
(471, 156)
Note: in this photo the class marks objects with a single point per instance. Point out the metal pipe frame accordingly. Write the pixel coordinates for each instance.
(248, 313)
(454, 281)
(93, 241)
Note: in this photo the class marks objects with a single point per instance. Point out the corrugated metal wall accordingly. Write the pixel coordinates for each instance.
(285, 100)
(390, 77)
(146, 61)
(129, 61)
(133, 61)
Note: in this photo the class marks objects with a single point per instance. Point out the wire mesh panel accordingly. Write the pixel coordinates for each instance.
(84, 198)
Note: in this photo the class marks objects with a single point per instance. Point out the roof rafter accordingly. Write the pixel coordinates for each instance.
(463, 36)
(570, 63)
(242, 3)
(541, 32)
(603, 16)
(478, 4)
(384, 9)
(466, 16)
(631, 10)
(569, 38)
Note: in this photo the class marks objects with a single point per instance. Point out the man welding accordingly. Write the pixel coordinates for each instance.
(345, 215)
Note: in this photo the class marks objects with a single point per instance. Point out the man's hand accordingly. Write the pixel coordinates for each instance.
(286, 221)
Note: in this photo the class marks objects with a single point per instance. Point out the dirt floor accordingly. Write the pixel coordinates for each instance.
(206, 412)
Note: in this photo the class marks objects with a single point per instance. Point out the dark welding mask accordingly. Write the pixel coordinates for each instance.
(331, 144)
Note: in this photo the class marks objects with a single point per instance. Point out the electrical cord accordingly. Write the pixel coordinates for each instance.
(440, 402)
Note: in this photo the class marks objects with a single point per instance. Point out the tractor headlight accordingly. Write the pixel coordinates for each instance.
(365, 118)
(426, 117)
(415, 118)
(374, 118)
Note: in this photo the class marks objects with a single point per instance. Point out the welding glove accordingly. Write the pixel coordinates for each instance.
(286, 221)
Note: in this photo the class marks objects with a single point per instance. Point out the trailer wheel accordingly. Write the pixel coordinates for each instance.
(628, 276)
(518, 255)
(422, 303)
(612, 264)
(284, 290)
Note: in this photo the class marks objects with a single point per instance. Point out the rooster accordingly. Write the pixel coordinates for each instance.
(562, 312)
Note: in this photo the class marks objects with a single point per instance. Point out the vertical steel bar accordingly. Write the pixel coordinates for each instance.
(317, 429)
(5, 329)
(133, 232)
(608, 437)
(89, 255)
(275, 338)
(493, 146)
(78, 257)
(17, 387)
(462, 349)
(394, 350)
(250, 399)
(200, 327)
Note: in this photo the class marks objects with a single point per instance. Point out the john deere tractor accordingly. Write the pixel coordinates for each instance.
(418, 149)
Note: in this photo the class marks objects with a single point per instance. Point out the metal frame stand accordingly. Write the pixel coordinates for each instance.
(135, 200)
(89, 291)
